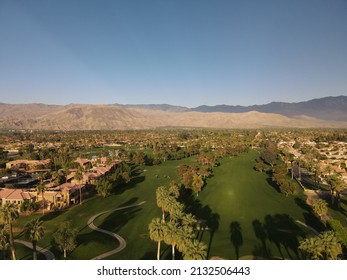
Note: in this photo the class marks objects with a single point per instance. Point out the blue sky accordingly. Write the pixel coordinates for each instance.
(188, 52)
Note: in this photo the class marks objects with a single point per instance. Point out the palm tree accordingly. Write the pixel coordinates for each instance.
(323, 247)
(103, 186)
(188, 220)
(9, 213)
(320, 207)
(171, 235)
(174, 189)
(156, 233)
(195, 250)
(336, 185)
(312, 248)
(78, 176)
(332, 247)
(3, 240)
(34, 231)
(174, 208)
(197, 184)
(161, 196)
(317, 172)
(40, 189)
(299, 162)
(185, 237)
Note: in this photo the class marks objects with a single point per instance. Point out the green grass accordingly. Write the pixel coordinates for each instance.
(239, 195)
(235, 194)
(130, 223)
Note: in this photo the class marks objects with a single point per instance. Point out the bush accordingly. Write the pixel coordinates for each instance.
(28, 206)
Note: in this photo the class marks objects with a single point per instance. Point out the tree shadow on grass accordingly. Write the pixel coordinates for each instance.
(131, 201)
(273, 184)
(310, 218)
(51, 215)
(236, 237)
(259, 253)
(113, 222)
(117, 219)
(208, 220)
(261, 234)
(284, 233)
(91, 241)
(127, 186)
(149, 255)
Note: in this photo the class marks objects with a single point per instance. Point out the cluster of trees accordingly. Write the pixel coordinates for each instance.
(329, 245)
(122, 174)
(325, 246)
(337, 185)
(28, 206)
(193, 177)
(268, 156)
(176, 228)
(64, 238)
(286, 185)
(269, 160)
(320, 207)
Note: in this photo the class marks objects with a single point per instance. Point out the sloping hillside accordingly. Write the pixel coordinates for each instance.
(327, 108)
(111, 117)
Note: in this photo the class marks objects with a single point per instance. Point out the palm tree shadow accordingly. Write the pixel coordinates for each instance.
(208, 220)
(260, 233)
(310, 218)
(117, 190)
(236, 237)
(284, 233)
(273, 185)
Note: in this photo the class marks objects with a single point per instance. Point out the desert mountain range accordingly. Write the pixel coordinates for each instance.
(324, 112)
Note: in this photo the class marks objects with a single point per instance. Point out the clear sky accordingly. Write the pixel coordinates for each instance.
(181, 52)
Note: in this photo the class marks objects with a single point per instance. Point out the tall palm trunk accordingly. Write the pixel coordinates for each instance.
(292, 170)
(34, 250)
(43, 199)
(332, 195)
(80, 195)
(163, 216)
(13, 253)
(158, 251)
(173, 250)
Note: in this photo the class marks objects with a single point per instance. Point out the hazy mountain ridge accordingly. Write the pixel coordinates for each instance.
(112, 117)
(161, 107)
(327, 108)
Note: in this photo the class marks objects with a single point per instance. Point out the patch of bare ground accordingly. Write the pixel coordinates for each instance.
(311, 196)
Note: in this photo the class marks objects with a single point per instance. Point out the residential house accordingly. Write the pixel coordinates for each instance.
(64, 195)
(27, 164)
(16, 196)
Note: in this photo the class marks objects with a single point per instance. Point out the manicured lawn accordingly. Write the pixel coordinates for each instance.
(252, 217)
(24, 253)
(236, 199)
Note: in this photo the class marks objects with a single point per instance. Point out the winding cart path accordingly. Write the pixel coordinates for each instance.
(122, 242)
(48, 254)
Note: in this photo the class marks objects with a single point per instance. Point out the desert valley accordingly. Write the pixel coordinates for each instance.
(169, 182)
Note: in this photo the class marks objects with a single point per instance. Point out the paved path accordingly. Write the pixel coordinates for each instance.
(48, 254)
(308, 227)
(122, 243)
